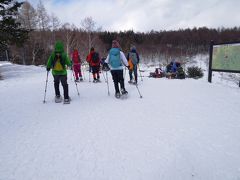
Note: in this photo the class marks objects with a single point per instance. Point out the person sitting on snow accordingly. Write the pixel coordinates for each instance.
(157, 74)
(171, 69)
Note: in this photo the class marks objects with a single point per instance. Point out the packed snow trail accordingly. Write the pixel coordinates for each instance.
(180, 129)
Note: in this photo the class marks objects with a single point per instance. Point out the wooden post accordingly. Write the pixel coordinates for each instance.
(210, 62)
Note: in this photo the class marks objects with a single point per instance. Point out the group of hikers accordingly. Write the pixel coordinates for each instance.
(173, 70)
(115, 62)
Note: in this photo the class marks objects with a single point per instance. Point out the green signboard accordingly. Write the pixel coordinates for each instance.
(226, 57)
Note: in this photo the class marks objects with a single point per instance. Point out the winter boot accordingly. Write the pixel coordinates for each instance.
(123, 91)
(135, 83)
(117, 95)
(95, 80)
(58, 99)
(67, 100)
(130, 82)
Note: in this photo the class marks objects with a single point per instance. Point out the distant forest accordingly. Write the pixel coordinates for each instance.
(45, 29)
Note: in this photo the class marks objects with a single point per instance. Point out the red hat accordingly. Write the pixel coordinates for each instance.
(75, 52)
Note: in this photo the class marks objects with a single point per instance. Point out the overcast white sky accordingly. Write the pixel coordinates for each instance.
(145, 15)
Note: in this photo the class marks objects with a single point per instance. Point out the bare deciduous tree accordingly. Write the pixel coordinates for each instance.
(43, 17)
(69, 36)
(28, 16)
(89, 25)
(55, 24)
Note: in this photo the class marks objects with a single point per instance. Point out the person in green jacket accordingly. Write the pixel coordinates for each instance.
(58, 61)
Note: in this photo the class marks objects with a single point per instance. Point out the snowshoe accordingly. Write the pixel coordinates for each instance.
(77, 80)
(123, 91)
(130, 82)
(117, 95)
(81, 79)
(124, 94)
(67, 101)
(58, 99)
(98, 80)
(95, 81)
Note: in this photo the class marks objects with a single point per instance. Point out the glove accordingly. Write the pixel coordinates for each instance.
(48, 69)
(105, 67)
(128, 67)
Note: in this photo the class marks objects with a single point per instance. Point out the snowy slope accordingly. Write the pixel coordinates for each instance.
(180, 129)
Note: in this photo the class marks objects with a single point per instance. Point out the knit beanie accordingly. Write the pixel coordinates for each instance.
(115, 44)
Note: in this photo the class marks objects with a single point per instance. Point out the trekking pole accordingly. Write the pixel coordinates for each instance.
(75, 82)
(140, 73)
(45, 92)
(139, 91)
(125, 72)
(104, 76)
(89, 74)
(82, 71)
(72, 76)
(107, 83)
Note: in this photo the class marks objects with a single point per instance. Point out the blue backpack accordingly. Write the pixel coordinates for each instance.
(133, 57)
(114, 58)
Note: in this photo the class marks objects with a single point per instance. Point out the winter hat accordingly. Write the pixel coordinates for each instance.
(75, 52)
(92, 49)
(59, 47)
(133, 48)
(115, 44)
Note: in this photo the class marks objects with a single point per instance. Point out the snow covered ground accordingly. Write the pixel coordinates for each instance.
(180, 129)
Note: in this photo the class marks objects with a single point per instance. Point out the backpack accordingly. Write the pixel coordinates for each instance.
(180, 73)
(114, 58)
(130, 65)
(55, 59)
(95, 58)
(133, 58)
(76, 59)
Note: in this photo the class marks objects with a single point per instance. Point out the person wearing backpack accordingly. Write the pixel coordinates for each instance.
(116, 60)
(58, 61)
(76, 61)
(133, 60)
(94, 61)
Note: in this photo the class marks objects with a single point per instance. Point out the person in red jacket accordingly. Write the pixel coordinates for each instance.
(76, 62)
(94, 61)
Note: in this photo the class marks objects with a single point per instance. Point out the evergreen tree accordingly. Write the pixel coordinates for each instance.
(10, 30)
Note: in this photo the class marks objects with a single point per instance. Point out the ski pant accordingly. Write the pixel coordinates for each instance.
(77, 71)
(95, 72)
(117, 76)
(133, 71)
(63, 80)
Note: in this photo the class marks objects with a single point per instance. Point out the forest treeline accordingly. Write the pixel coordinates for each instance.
(43, 30)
